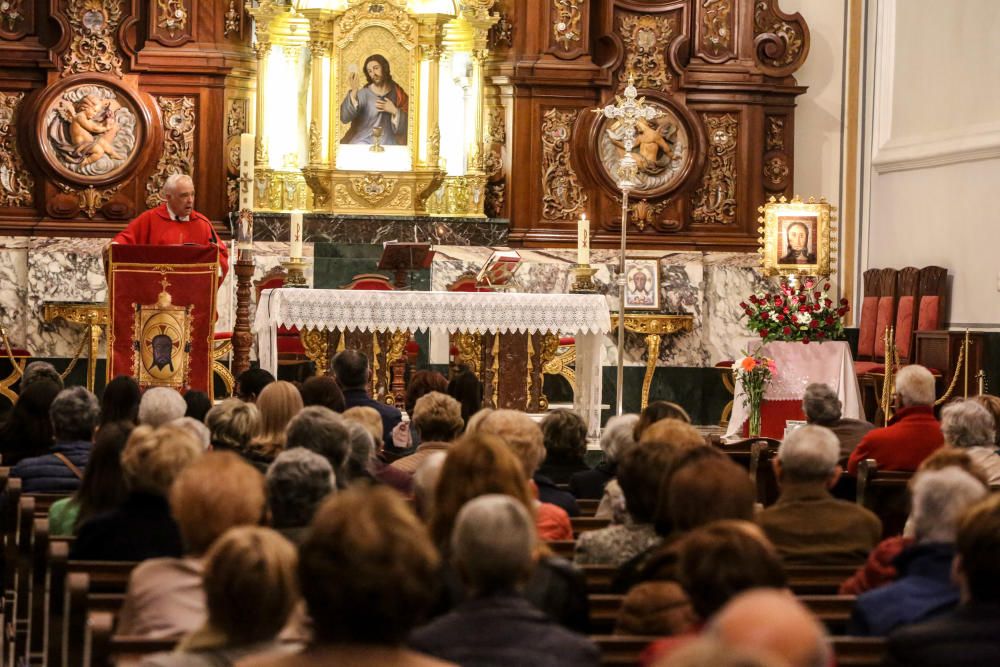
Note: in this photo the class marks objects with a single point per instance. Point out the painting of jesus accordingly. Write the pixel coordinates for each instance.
(380, 103)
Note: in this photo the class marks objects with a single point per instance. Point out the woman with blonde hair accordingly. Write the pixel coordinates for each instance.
(250, 590)
(481, 464)
(278, 403)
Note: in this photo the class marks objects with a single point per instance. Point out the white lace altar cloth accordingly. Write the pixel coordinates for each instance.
(798, 366)
(584, 316)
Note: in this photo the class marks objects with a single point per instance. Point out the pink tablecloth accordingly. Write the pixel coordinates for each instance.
(798, 366)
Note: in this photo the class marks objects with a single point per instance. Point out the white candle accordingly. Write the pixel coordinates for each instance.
(246, 170)
(583, 240)
(296, 235)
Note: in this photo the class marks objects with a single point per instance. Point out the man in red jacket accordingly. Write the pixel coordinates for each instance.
(175, 222)
(912, 434)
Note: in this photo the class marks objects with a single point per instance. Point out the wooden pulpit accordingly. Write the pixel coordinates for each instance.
(162, 314)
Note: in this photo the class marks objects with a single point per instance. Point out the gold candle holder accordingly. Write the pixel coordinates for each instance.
(583, 279)
(295, 266)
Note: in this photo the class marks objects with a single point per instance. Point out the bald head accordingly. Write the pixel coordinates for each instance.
(773, 622)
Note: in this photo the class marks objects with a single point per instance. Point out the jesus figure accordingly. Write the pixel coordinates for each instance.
(380, 103)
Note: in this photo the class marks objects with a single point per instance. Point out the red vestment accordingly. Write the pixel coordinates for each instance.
(154, 227)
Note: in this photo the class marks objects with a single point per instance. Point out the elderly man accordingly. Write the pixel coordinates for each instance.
(175, 222)
(297, 483)
(775, 623)
(912, 433)
(808, 525)
(822, 408)
(350, 367)
(492, 545)
(968, 634)
(924, 588)
(968, 425)
(161, 405)
(323, 431)
(74, 414)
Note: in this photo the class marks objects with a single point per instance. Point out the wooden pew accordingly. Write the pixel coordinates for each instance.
(604, 610)
(621, 650)
(818, 579)
(886, 493)
(83, 596)
(588, 506)
(19, 567)
(833, 610)
(562, 548)
(762, 452)
(599, 577)
(858, 651)
(103, 648)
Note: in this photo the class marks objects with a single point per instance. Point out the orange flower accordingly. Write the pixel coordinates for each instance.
(748, 364)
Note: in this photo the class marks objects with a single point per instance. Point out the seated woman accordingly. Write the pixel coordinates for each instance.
(368, 571)
(74, 414)
(217, 492)
(103, 487)
(616, 438)
(565, 438)
(27, 431)
(141, 527)
(120, 401)
(278, 403)
(479, 464)
(250, 590)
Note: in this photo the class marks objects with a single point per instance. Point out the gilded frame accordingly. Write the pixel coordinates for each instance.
(796, 237)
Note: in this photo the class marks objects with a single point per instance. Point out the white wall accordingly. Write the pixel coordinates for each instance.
(933, 154)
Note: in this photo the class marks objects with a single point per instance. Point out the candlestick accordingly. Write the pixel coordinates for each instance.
(246, 170)
(583, 240)
(296, 235)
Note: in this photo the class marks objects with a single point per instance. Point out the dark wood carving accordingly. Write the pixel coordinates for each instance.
(721, 70)
(182, 70)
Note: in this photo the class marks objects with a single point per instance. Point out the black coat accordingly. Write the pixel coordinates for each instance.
(503, 630)
(141, 528)
(590, 483)
(968, 636)
(390, 417)
(548, 492)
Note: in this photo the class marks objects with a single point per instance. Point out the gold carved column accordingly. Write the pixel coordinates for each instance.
(430, 53)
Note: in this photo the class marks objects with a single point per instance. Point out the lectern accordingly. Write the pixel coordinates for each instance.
(162, 314)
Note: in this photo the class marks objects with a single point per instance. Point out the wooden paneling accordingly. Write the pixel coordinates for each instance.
(189, 69)
(722, 72)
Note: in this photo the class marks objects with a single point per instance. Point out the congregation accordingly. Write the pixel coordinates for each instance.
(311, 525)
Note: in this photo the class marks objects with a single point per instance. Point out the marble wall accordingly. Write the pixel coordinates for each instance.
(709, 286)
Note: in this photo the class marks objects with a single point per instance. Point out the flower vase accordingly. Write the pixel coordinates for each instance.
(753, 420)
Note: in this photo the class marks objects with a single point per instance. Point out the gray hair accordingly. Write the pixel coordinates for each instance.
(940, 498)
(170, 185)
(196, 428)
(493, 542)
(233, 424)
(915, 386)
(967, 424)
(425, 479)
(40, 370)
(809, 454)
(297, 482)
(618, 435)
(161, 405)
(820, 404)
(321, 430)
(74, 414)
(362, 444)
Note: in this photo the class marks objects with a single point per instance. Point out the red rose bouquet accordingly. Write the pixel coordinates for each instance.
(796, 312)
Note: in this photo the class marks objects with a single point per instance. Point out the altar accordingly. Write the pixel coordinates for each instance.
(584, 316)
(799, 365)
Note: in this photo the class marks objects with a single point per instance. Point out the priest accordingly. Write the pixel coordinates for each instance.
(175, 222)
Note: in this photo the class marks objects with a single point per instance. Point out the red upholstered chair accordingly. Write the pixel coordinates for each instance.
(869, 309)
(369, 281)
(388, 375)
(290, 349)
(932, 298)
(906, 311)
(871, 350)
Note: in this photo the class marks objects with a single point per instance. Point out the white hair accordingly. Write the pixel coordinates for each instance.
(967, 424)
(195, 428)
(160, 405)
(492, 542)
(915, 385)
(618, 435)
(809, 453)
(940, 498)
(170, 185)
